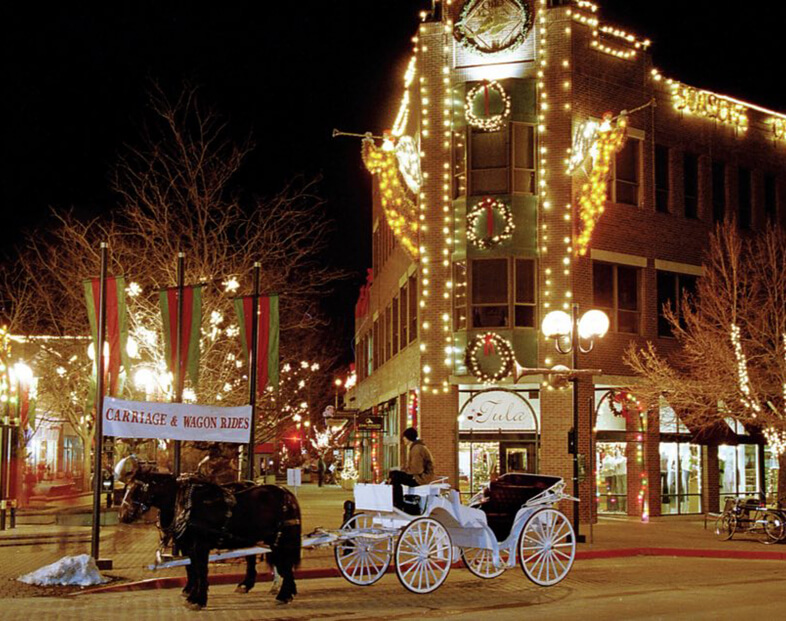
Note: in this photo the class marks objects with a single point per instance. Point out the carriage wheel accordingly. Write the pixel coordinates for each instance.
(362, 560)
(725, 526)
(547, 547)
(771, 527)
(423, 555)
(480, 561)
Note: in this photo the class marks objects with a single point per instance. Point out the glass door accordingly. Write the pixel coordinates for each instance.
(517, 457)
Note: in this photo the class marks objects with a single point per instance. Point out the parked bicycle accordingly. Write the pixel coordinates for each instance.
(751, 516)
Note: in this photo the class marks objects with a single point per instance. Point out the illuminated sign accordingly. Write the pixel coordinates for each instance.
(709, 105)
(498, 410)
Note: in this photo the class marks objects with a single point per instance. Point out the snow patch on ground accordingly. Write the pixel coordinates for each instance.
(70, 570)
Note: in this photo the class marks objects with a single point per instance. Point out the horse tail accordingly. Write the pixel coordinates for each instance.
(287, 548)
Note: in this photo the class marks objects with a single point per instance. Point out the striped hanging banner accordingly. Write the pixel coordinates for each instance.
(116, 326)
(190, 331)
(267, 337)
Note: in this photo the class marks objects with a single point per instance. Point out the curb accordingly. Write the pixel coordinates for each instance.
(332, 572)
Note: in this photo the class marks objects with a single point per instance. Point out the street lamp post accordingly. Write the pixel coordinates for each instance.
(338, 383)
(570, 333)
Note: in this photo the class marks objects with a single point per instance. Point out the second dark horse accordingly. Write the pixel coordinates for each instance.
(201, 516)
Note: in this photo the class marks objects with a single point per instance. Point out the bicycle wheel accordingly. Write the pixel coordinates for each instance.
(725, 526)
(770, 527)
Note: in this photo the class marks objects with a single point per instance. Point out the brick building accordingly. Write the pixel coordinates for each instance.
(476, 240)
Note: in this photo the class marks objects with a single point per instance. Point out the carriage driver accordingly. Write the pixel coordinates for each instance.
(419, 470)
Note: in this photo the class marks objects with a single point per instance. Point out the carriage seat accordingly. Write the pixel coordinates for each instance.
(504, 496)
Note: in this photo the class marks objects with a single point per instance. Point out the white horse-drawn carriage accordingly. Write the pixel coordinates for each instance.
(512, 520)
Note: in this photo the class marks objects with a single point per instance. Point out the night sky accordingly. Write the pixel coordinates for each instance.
(75, 80)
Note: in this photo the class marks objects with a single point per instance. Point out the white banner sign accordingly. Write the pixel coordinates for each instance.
(176, 421)
(498, 410)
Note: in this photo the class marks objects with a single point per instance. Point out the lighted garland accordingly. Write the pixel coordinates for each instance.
(490, 122)
(491, 343)
(487, 206)
(592, 196)
(493, 26)
(400, 210)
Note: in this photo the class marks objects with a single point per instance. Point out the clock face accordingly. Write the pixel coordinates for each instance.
(492, 26)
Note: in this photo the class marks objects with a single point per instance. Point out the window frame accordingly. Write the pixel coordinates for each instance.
(614, 310)
(613, 181)
(512, 264)
(677, 293)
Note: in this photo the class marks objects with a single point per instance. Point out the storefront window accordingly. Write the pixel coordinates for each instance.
(611, 477)
(680, 472)
(478, 465)
(738, 471)
(771, 474)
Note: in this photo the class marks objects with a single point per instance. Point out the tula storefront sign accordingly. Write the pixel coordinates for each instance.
(498, 410)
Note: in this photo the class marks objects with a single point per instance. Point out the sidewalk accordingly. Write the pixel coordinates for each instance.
(132, 547)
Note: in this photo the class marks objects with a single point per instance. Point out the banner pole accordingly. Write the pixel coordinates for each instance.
(177, 371)
(252, 399)
(99, 418)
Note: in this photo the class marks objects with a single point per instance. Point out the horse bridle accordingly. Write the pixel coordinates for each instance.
(137, 504)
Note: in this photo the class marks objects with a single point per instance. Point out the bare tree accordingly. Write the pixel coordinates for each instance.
(178, 192)
(732, 335)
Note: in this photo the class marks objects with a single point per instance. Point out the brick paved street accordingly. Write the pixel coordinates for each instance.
(644, 584)
(633, 588)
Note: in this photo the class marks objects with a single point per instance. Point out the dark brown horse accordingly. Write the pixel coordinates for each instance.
(200, 516)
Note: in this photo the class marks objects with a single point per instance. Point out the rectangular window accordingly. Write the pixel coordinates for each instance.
(525, 294)
(488, 162)
(388, 332)
(744, 206)
(460, 295)
(413, 307)
(661, 178)
(402, 318)
(394, 325)
(523, 158)
(718, 191)
(459, 164)
(671, 290)
(770, 205)
(376, 358)
(626, 173)
(690, 165)
(490, 293)
(616, 291)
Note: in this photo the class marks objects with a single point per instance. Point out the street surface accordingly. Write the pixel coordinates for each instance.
(628, 588)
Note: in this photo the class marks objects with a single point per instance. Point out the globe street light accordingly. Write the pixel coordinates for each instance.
(572, 334)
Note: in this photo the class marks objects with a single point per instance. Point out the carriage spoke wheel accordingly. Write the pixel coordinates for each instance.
(423, 555)
(770, 528)
(362, 560)
(547, 547)
(480, 561)
(725, 526)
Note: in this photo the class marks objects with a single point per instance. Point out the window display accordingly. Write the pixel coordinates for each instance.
(478, 464)
(611, 468)
(680, 472)
(738, 471)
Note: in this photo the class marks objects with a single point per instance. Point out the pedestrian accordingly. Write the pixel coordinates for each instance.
(320, 470)
(419, 470)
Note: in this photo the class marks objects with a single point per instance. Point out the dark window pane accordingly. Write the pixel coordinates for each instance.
(667, 286)
(403, 317)
(687, 285)
(490, 281)
(744, 197)
(523, 146)
(394, 322)
(627, 287)
(691, 184)
(628, 161)
(718, 191)
(491, 181)
(489, 150)
(603, 284)
(525, 281)
(413, 307)
(627, 193)
(661, 178)
(490, 316)
(628, 322)
(525, 316)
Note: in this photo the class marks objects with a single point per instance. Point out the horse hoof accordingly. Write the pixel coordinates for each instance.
(284, 602)
(193, 606)
(241, 589)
